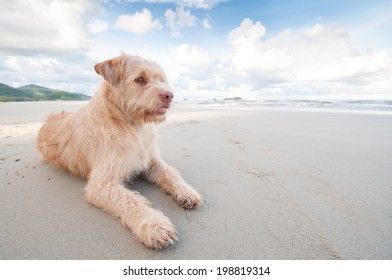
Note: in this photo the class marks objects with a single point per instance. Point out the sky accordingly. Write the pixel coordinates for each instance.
(266, 49)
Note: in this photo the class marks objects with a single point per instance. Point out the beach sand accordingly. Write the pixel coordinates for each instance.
(276, 184)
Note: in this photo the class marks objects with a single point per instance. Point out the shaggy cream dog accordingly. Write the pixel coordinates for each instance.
(113, 139)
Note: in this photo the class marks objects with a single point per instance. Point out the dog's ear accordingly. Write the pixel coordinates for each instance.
(111, 70)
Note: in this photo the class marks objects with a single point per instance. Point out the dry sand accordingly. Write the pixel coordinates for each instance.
(276, 185)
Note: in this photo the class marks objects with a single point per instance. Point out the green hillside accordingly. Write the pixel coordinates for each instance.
(36, 93)
(8, 93)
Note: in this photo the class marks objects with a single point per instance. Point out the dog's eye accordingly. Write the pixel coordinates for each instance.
(140, 80)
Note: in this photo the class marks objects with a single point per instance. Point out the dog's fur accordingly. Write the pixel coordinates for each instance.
(113, 139)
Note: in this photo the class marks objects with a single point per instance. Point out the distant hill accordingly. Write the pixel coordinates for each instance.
(37, 93)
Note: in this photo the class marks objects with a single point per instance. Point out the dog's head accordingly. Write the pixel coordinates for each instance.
(138, 87)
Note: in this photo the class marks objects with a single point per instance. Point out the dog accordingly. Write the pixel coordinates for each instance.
(113, 139)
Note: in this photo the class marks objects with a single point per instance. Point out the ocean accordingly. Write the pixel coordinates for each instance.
(353, 106)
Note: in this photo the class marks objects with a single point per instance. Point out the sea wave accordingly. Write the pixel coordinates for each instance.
(359, 106)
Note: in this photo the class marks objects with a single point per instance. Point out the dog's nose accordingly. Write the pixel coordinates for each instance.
(166, 96)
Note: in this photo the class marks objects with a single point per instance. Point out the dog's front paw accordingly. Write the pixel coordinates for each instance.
(156, 231)
(188, 198)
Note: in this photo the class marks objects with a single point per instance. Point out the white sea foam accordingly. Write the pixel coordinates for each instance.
(353, 106)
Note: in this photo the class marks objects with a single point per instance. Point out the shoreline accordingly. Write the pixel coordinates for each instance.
(359, 106)
(381, 107)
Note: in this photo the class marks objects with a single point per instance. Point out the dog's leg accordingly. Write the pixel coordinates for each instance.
(150, 226)
(170, 180)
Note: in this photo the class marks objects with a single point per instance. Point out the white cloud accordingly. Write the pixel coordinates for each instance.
(250, 56)
(45, 42)
(47, 25)
(191, 69)
(73, 71)
(246, 33)
(179, 19)
(190, 55)
(138, 23)
(317, 59)
(12, 63)
(207, 24)
(198, 4)
(98, 26)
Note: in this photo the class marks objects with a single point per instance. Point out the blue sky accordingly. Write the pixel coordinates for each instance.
(209, 48)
